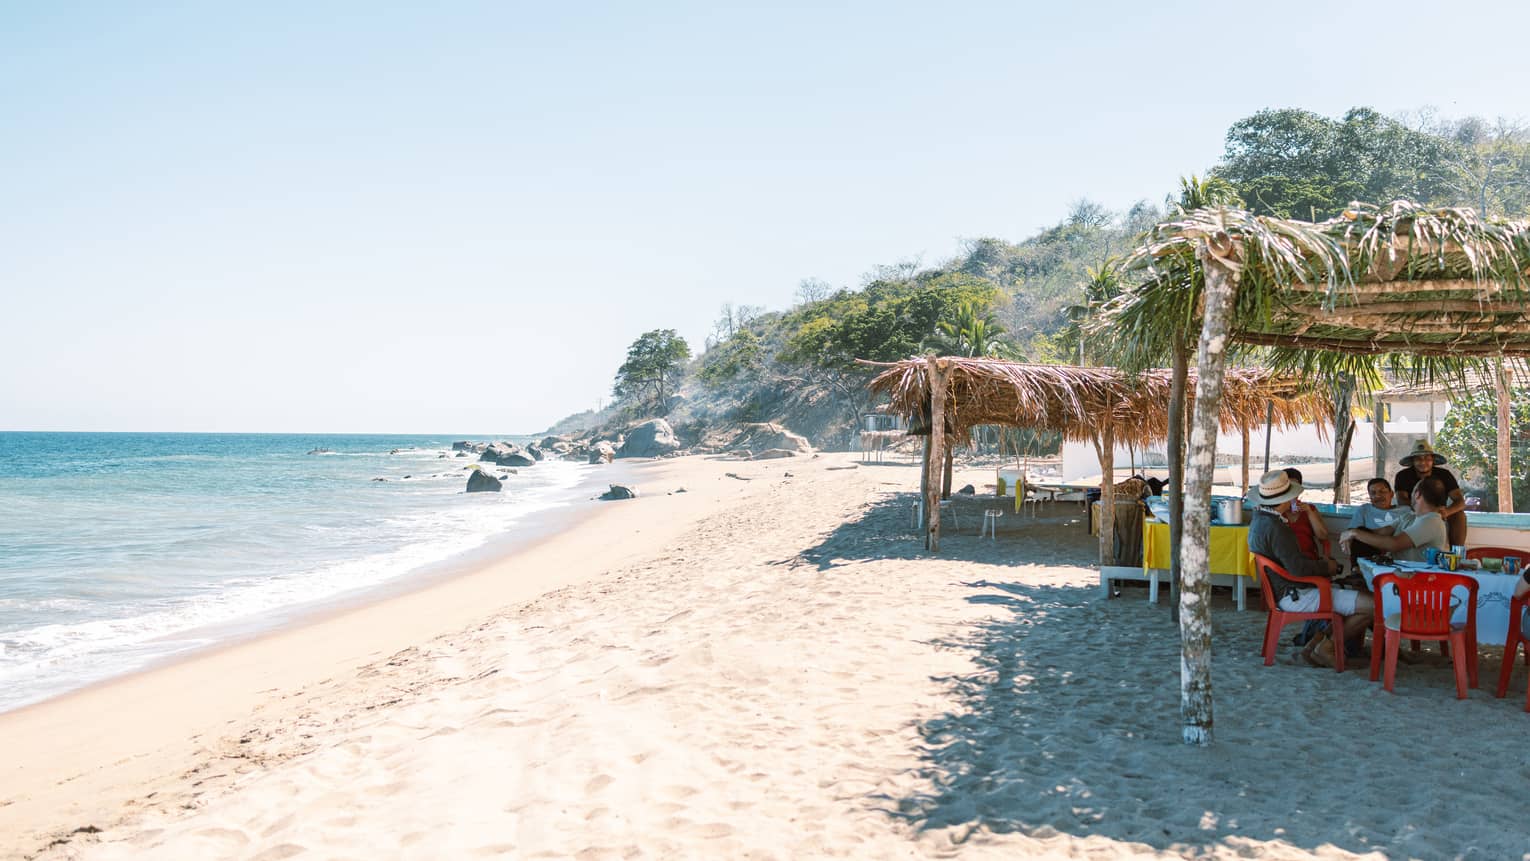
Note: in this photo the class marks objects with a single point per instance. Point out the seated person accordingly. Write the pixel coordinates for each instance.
(1271, 536)
(1378, 515)
(1423, 527)
(1424, 463)
(1306, 521)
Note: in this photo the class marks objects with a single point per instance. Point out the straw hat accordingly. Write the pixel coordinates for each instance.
(1422, 447)
(1276, 487)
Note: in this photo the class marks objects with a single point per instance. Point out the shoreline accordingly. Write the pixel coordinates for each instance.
(524, 530)
(84, 754)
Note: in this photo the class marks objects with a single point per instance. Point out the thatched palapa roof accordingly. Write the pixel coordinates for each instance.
(1397, 279)
(1075, 401)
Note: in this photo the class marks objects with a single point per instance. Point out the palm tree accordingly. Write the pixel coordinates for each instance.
(969, 332)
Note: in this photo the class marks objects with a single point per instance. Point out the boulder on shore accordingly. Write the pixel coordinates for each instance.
(507, 454)
(536, 452)
(773, 453)
(619, 491)
(769, 435)
(653, 438)
(479, 481)
(602, 452)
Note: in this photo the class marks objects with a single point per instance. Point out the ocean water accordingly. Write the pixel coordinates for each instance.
(120, 550)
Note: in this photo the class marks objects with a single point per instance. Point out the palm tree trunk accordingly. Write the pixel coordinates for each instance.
(1195, 598)
(1177, 385)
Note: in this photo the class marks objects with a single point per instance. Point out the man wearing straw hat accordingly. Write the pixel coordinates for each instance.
(1271, 537)
(1421, 463)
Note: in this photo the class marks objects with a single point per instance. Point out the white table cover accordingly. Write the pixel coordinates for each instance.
(1494, 592)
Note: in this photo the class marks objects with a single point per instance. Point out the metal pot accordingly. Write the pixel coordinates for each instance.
(1230, 511)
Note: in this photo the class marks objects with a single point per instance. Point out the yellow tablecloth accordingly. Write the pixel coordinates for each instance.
(1229, 548)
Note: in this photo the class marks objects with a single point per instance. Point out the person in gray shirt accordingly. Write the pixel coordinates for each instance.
(1269, 536)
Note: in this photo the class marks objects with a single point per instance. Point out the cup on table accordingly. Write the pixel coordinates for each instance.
(1511, 566)
(1431, 556)
(1459, 550)
(1450, 561)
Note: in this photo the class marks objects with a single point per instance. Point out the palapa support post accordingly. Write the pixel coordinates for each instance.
(1217, 255)
(1343, 432)
(1505, 429)
(1245, 461)
(1107, 450)
(937, 378)
(945, 481)
(1379, 438)
(1269, 424)
(1178, 383)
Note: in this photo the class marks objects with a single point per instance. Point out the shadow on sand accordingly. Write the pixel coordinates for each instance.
(1069, 723)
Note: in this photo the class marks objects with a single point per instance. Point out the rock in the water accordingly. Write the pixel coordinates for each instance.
(461, 454)
(653, 438)
(480, 481)
(969, 490)
(602, 452)
(619, 491)
(322, 451)
(462, 445)
(773, 453)
(535, 452)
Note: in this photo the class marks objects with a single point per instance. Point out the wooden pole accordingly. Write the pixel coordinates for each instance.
(1505, 431)
(937, 449)
(924, 492)
(1343, 431)
(1178, 384)
(1379, 438)
(1195, 598)
(945, 481)
(1107, 490)
(1269, 424)
(1245, 462)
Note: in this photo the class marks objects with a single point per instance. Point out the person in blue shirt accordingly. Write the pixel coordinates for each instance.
(1379, 516)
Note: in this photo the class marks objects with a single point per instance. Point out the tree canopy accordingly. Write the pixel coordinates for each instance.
(655, 362)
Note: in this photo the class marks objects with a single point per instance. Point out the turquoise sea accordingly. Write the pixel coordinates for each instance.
(120, 550)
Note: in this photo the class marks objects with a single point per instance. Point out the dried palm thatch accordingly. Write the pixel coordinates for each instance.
(1076, 402)
(1437, 289)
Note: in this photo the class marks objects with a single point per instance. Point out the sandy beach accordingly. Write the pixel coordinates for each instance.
(764, 666)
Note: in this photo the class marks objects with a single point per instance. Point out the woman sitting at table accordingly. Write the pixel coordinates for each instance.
(1306, 521)
(1415, 531)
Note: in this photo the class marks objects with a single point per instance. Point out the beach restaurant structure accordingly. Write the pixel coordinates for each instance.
(1441, 291)
(945, 397)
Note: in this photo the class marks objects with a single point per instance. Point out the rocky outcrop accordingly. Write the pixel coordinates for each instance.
(535, 452)
(506, 454)
(470, 447)
(653, 438)
(480, 481)
(619, 491)
(602, 452)
(768, 435)
(773, 453)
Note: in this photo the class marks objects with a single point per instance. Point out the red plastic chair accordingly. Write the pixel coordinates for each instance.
(1424, 613)
(1279, 618)
(1517, 609)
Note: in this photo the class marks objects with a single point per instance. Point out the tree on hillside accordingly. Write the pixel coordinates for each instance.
(655, 362)
(1299, 164)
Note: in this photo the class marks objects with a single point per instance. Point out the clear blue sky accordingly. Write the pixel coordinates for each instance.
(455, 217)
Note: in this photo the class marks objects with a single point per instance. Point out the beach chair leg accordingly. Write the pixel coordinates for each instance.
(1242, 593)
(1152, 585)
